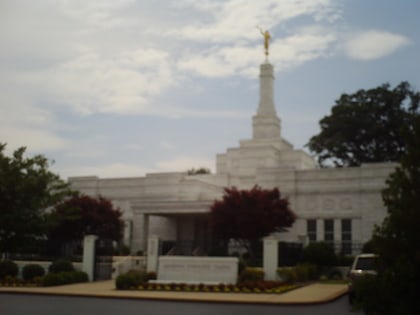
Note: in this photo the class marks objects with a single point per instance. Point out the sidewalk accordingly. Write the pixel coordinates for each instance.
(310, 294)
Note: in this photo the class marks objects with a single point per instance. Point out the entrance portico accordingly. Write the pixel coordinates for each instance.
(182, 227)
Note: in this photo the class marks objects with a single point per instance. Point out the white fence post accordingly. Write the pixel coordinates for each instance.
(270, 257)
(89, 255)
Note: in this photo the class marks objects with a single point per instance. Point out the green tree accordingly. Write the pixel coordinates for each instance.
(73, 218)
(248, 215)
(366, 126)
(397, 241)
(27, 189)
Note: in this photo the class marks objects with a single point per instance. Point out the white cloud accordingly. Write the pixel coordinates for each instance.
(97, 13)
(167, 145)
(89, 64)
(95, 83)
(374, 44)
(34, 138)
(24, 125)
(236, 19)
(307, 44)
(207, 66)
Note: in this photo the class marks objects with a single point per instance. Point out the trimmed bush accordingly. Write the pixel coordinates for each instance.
(287, 274)
(306, 272)
(300, 273)
(29, 272)
(251, 274)
(344, 260)
(61, 265)
(335, 274)
(8, 268)
(320, 254)
(65, 277)
(130, 280)
(151, 275)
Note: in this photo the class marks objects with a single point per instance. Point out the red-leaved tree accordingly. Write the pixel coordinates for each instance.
(248, 215)
(81, 215)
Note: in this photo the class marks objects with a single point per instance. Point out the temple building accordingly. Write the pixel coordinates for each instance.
(337, 205)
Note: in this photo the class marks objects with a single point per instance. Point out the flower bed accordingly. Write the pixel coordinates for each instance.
(273, 287)
(16, 282)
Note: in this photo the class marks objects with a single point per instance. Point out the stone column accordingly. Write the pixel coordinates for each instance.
(145, 231)
(88, 264)
(337, 234)
(270, 257)
(128, 228)
(319, 230)
(153, 253)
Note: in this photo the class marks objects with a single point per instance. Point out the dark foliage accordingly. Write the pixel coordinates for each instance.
(8, 268)
(251, 274)
(320, 254)
(366, 126)
(27, 188)
(396, 288)
(60, 265)
(66, 277)
(131, 280)
(248, 215)
(74, 218)
(29, 272)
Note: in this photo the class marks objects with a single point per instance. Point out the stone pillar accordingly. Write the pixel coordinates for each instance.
(338, 234)
(152, 253)
(145, 231)
(320, 230)
(270, 257)
(128, 228)
(88, 264)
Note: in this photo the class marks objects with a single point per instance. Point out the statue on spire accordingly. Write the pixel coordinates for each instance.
(267, 38)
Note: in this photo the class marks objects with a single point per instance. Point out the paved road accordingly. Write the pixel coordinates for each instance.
(15, 304)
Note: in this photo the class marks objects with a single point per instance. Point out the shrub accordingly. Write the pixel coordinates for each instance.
(251, 274)
(29, 272)
(344, 260)
(306, 272)
(130, 280)
(61, 265)
(287, 274)
(8, 268)
(319, 253)
(151, 275)
(65, 277)
(301, 273)
(335, 274)
(366, 294)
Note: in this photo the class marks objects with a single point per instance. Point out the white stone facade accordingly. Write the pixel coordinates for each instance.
(341, 205)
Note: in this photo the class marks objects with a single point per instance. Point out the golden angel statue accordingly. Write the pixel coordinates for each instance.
(267, 38)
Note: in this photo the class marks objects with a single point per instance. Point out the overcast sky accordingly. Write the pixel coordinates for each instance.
(124, 88)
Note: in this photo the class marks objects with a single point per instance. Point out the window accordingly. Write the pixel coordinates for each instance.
(346, 239)
(329, 230)
(311, 230)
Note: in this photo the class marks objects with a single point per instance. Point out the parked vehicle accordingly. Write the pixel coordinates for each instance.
(364, 264)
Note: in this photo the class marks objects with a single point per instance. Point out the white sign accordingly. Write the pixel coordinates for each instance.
(198, 269)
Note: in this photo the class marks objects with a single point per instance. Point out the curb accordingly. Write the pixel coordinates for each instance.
(184, 298)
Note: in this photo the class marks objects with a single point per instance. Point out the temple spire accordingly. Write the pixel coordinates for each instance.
(266, 124)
